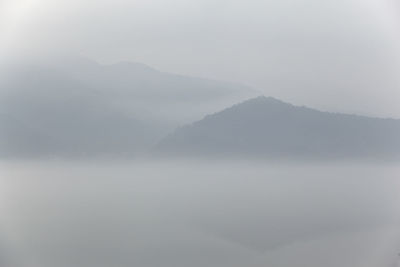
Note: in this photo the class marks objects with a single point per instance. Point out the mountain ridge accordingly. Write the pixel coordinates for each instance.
(268, 127)
(72, 99)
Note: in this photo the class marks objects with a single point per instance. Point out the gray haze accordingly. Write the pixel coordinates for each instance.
(83, 79)
(182, 213)
(324, 54)
(269, 128)
(76, 107)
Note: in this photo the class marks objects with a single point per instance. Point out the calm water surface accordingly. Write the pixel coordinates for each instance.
(198, 214)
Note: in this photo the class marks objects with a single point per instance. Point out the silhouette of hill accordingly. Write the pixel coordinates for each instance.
(131, 87)
(78, 107)
(267, 127)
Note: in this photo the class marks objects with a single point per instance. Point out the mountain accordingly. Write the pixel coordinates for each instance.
(133, 88)
(267, 127)
(77, 107)
(79, 132)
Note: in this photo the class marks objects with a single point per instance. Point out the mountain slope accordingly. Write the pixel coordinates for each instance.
(268, 127)
(78, 107)
(131, 87)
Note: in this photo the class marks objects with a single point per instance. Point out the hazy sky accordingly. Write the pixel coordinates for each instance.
(340, 55)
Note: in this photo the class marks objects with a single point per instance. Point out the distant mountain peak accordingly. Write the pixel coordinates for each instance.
(93, 109)
(264, 100)
(268, 127)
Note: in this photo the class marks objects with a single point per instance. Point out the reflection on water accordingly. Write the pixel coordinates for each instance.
(238, 213)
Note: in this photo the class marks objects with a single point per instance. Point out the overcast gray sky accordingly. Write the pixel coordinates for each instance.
(340, 55)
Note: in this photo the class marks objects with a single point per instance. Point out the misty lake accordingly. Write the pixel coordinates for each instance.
(198, 214)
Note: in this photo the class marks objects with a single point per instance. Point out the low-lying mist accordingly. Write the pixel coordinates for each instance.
(198, 213)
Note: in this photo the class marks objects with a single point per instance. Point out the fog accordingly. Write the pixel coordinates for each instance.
(324, 54)
(199, 213)
(201, 133)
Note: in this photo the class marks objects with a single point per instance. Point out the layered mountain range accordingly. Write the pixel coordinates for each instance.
(79, 108)
(267, 127)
